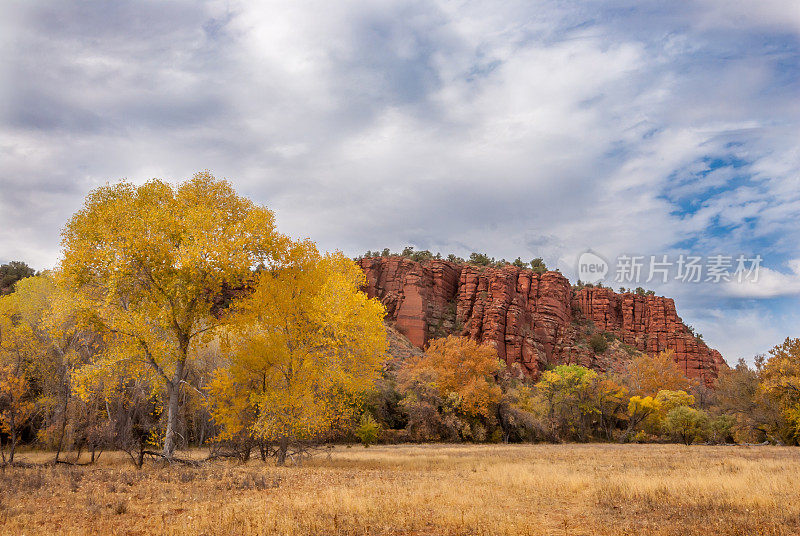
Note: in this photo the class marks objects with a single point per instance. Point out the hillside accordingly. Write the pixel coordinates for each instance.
(534, 319)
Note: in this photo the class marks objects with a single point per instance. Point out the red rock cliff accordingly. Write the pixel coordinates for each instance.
(417, 296)
(651, 324)
(530, 318)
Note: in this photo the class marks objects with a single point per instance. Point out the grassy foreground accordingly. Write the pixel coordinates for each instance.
(425, 489)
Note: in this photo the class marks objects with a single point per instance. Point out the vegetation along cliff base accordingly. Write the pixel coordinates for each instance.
(577, 489)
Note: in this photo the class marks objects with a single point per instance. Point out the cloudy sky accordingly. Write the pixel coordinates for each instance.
(513, 128)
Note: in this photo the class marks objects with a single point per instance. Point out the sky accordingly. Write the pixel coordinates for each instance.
(532, 129)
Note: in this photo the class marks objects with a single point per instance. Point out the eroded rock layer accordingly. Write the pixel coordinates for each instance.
(650, 324)
(532, 319)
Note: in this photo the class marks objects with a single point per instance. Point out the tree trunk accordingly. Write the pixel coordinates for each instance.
(13, 448)
(173, 392)
(283, 447)
(64, 408)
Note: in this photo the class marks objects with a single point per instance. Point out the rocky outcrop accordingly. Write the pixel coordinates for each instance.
(650, 324)
(418, 297)
(522, 313)
(532, 319)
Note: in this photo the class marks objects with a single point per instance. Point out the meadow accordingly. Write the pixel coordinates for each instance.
(573, 489)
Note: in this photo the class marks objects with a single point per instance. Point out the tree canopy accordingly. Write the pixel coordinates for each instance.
(146, 263)
(305, 348)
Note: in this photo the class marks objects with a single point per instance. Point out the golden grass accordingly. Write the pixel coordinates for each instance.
(422, 490)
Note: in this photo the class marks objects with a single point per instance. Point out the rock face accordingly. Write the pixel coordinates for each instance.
(650, 324)
(521, 313)
(418, 297)
(532, 319)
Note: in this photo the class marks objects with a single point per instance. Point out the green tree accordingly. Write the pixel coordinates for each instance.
(685, 423)
(480, 259)
(721, 428)
(11, 273)
(538, 265)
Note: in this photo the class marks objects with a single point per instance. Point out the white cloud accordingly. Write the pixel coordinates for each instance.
(512, 128)
(745, 333)
(768, 283)
(774, 14)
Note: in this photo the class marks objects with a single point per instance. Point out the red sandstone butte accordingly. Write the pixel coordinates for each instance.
(528, 317)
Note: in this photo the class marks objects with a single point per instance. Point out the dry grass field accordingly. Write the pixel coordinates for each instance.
(421, 490)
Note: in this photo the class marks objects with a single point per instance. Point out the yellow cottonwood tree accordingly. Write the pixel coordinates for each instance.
(569, 396)
(305, 347)
(147, 263)
(780, 379)
(18, 344)
(16, 408)
(669, 400)
(611, 400)
(45, 342)
(19, 349)
(640, 408)
(646, 375)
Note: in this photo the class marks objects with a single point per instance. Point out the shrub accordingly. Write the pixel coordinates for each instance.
(598, 343)
(721, 427)
(368, 429)
(121, 507)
